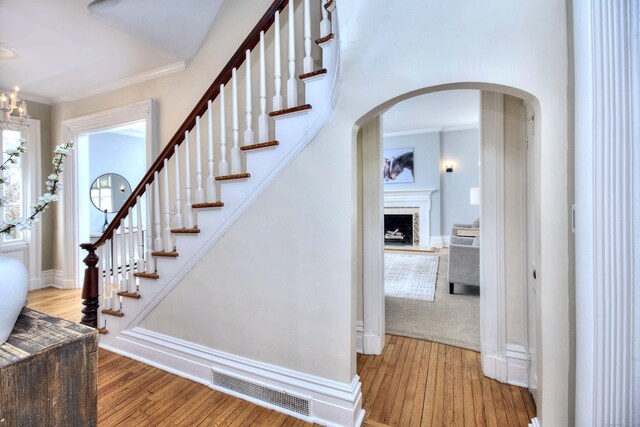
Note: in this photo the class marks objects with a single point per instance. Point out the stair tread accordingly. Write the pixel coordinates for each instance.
(259, 145)
(330, 5)
(130, 294)
(117, 313)
(325, 39)
(234, 176)
(172, 254)
(313, 74)
(290, 110)
(103, 331)
(147, 275)
(194, 230)
(207, 205)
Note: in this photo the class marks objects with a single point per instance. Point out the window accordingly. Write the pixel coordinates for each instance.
(13, 190)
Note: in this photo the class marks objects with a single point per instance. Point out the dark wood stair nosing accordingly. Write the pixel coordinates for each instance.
(154, 276)
(299, 108)
(325, 39)
(233, 177)
(103, 331)
(260, 145)
(313, 74)
(172, 254)
(329, 6)
(194, 230)
(207, 205)
(130, 294)
(117, 313)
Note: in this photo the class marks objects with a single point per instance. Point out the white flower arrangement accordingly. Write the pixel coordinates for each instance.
(53, 186)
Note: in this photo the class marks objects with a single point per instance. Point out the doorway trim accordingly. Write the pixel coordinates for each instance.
(71, 129)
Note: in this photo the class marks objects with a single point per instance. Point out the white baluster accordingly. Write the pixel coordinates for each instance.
(325, 24)
(140, 266)
(235, 150)
(132, 260)
(107, 273)
(157, 244)
(124, 281)
(292, 84)
(199, 190)
(115, 298)
(223, 167)
(307, 63)
(263, 119)
(149, 247)
(167, 240)
(248, 132)
(277, 65)
(211, 182)
(177, 217)
(188, 212)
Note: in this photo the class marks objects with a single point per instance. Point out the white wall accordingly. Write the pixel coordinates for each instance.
(300, 288)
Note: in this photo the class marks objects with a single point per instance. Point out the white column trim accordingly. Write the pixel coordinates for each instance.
(373, 243)
(71, 128)
(492, 280)
(607, 212)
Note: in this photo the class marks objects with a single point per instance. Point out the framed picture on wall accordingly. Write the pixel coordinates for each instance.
(398, 165)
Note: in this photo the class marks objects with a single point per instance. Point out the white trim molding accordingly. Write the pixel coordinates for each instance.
(607, 209)
(359, 336)
(419, 198)
(535, 423)
(438, 129)
(127, 81)
(331, 403)
(71, 129)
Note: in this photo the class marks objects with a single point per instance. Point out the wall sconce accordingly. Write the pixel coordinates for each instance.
(448, 167)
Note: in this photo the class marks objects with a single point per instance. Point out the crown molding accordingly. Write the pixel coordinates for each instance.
(30, 97)
(127, 81)
(468, 126)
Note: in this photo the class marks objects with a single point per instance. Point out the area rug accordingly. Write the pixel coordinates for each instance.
(410, 276)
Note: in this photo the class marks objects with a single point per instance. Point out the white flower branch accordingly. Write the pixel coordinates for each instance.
(53, 186)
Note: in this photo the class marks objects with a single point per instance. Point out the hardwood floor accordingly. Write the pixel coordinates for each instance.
(413, 383)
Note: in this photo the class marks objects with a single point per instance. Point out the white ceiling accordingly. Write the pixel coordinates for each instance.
(449, 109)
(65, 52)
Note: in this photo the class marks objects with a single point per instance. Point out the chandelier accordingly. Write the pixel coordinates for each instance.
(9, 104)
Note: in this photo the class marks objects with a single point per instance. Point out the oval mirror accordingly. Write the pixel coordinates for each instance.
(109, 192)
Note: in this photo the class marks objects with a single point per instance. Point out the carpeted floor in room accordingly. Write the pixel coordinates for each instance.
(450, 319)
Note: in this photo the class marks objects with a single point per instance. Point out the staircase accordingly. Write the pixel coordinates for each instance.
(215, 165)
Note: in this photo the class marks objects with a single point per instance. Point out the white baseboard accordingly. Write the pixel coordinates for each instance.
(513, 369)
(359, 336)
(446, 241)
(331, 403)
(47, 278)
(437, 241)
(517, 361)
(535, 423)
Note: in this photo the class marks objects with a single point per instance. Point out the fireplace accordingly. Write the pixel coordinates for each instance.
(414, 203)
(398, 229)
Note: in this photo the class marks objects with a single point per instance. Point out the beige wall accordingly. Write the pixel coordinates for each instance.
(300, 287)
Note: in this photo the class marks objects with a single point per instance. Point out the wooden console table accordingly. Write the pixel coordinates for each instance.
(49, 373)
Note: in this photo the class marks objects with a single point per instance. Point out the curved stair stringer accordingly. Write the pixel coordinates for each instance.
(294, 132)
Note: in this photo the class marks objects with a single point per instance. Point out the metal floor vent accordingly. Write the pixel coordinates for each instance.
(277, 398)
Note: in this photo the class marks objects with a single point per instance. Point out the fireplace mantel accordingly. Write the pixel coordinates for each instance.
(420, 199)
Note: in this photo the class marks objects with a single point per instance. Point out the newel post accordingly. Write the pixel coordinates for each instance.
(90, 288)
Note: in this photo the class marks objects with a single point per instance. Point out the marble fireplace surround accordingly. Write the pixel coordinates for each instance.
(420, 199)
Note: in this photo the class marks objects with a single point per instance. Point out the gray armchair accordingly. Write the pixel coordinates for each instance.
(464, 262)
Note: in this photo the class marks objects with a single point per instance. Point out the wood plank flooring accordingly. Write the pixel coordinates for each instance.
(413, 383)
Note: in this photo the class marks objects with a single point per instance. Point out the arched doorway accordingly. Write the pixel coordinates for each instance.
(509, 220)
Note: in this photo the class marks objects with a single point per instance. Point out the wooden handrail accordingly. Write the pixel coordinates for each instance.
(201, 107)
